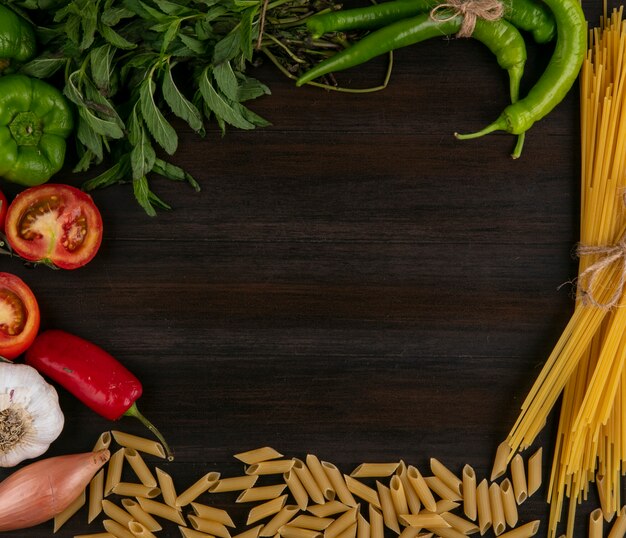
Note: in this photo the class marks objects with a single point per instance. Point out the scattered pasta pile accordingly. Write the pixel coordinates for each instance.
(586, 366)
(294, 498)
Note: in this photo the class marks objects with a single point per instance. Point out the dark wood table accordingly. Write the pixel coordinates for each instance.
(351, 282)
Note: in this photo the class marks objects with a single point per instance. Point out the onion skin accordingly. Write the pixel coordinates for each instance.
(41, 490)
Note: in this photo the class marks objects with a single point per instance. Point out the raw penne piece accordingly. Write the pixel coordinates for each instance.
(257, 455)
(338, 484)
(358, 488)
(483, 506)
(449, 479)
(398, 497)
(192, 533)
(270, 467)
(523, 531)
(117, 530)
(412, 499)
(139, 530)
(287, 531)
(328, 509)
(535, 471)
(518, 477)
(448, 532)
(130, 489)
(266, 509)
(162, 510)
(166, 484)
(618, 529)
(469, 492)
(421, 488)
(75, 506)
(235, 483)
(424, 520)
(103, 441)
(137, 463)
(509, 504)
(362, 527)
(308, 481)
(214, 528)
(500, 462)
(444, 505)
(377, 523)
(261, 493)
(340, 524)
(596, 524)
(114, 512)
(139, 514)
(297, 489)
(374, 470)
(212, 513)
(315, 466)
(250, 533)
(95, 535)
(460, 524)
(283, 517)
(114, 471)
(197, 488)
(96, 494)
(436, 485)
(350, 532)
(410, 532)
(142, 444)
(498, 522)
(315, 523)
(388, 509)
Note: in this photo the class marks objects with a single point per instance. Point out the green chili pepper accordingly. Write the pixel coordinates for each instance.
(17, 39)
(527, 15)
(557, 79)
(35, 120)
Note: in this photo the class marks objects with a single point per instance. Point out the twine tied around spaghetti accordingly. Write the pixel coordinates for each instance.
(609, 254)
(470, 10)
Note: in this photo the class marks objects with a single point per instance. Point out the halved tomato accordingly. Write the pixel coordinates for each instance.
(3, 210)
(19, 316)
(56, 224)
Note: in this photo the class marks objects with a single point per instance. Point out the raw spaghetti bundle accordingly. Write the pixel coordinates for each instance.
(586, 366)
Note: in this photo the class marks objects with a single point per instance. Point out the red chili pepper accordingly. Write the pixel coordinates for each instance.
(91, 374)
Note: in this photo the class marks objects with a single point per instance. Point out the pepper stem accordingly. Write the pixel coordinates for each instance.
(517, 151)
(133, 411)
(498, 125)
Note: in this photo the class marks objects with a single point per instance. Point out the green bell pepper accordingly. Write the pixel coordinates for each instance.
(17, 38)
(35, 120)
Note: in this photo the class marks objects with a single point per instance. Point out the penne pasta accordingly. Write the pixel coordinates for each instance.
(266, 509)
(250, 533)
(236, 483)
(618, 529)
(161, 510)
(130, 489)
(186, 532)
(212, 513)
(297, 489)
(308, 481)
(518, 477)
(114, 512)
(498, 522)
(386, 505)
(96, 494)
(469, 492)
(140, 468)
(196, 489)
(436, 485)
(312, 522)
(214, 528)
(287, 531)
(114, 471)
(523, 531)
(139, 514)
(460, 524)
(535, 471)
(103, 441)
(447, 477)
(168, 490)
(377, 524)
(424, 520)
(358, 488)
(445, 506)
(338, 483)
(350, 532)
(596, 524)
(483, 506)
(605, 504)
(257, 455)
(65, 515)
(448, 532)
(139, 530)
(412, 499)
(142, 444)
(95, 535)
(282, 518)
(328, 509)
(500, 462)
(411, 532)
(398, 497)
(270, 467)
(117, 530)
(509, 503)
(262, 493)
(343, 522)
(374, 470)
(320, 476)
(421, 488)
(362, 527)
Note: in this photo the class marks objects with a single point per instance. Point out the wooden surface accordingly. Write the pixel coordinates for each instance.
(352, 282)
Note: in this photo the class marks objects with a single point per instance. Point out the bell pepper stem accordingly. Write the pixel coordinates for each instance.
(133, 411)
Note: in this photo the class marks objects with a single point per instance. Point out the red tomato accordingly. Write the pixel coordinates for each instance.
(54, 223)
(19, 316)
(3, 210)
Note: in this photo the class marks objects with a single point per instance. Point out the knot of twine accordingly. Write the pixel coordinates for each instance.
(609, 255)
(470, 10)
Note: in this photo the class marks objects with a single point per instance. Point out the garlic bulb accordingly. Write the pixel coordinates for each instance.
(30, 415)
